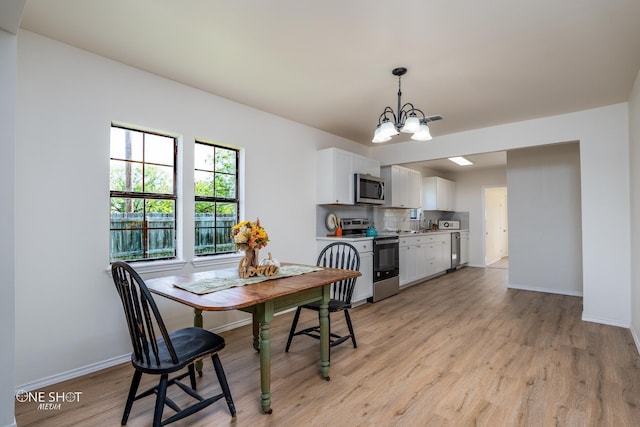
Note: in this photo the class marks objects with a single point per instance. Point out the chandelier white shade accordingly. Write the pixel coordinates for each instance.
(408, 119)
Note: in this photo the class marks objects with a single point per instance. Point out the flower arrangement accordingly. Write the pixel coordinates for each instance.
(249, 235)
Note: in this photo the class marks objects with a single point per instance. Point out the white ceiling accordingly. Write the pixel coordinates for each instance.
(328, 64)
(480, 161)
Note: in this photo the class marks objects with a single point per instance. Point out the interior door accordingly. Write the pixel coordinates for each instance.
(496, 237)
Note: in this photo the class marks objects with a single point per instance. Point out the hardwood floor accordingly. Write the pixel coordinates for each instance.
(458, 350)
(501, 263)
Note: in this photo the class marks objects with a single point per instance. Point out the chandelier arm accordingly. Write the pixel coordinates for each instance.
(387, 110)
(414, 110)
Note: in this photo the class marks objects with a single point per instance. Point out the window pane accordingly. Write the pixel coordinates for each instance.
(126, 245)
(226, 186)
(127, 211)
(227, 212)
(225, 160)
(161, 219)
(159, 149)
(127, 229)
(126, 144)
(204, 157)
(125, 176)
(203, 183)
(158, 179)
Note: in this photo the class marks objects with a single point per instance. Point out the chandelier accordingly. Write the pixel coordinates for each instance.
(408, 119)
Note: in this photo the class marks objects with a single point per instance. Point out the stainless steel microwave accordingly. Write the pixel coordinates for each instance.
(369, 189)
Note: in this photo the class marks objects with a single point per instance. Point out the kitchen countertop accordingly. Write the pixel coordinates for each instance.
(400, 234)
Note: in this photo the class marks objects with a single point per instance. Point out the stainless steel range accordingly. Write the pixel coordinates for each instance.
(386, 257)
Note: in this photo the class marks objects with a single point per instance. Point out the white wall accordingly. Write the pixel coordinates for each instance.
(8, 63)
(66, 305)
(604, 144)
(634, 161)
(469, 194)
(545, 243)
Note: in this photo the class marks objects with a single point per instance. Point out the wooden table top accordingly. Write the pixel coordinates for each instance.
(243, 296)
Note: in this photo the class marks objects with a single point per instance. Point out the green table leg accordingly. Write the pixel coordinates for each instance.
(197, 322)
(256, 331)
(264, 313)
(325, 348)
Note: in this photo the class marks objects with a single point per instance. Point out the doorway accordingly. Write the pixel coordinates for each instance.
(496, 234)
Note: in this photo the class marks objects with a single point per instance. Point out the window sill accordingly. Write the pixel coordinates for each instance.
(216, 260)
(155, 266)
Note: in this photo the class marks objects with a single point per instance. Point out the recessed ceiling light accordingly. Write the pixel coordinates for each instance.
(461, 161)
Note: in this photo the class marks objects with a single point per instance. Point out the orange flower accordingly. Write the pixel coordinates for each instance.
(249, 235)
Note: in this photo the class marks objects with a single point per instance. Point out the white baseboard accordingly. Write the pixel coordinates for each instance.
(94, 367)
(609, 322)
(635, 338)
(14, 424)
(545, 290)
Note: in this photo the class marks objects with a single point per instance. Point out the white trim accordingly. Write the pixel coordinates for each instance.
(603, 321)
(14, 424)
(545, 290)
(155, 266)
(216, 260)
(74, 373)
(635, 338)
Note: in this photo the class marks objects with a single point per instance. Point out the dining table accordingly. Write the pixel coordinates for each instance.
(262, 299)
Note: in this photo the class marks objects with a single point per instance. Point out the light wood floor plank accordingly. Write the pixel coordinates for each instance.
(458, 350)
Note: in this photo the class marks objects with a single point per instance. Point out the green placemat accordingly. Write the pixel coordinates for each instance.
(205, 286)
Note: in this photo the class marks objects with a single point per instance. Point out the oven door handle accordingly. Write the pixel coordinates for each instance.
(386, 240)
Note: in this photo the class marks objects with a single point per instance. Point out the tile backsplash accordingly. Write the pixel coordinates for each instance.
(386, 219)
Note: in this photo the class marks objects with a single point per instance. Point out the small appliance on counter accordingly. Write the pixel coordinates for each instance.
(447, 224)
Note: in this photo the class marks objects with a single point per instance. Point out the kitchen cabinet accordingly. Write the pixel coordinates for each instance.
(464, 247)
(438, 253)
(439, 194)
(443, 252)
(335, 175)
(364, 283)
(402, 187)
(415, 186)
(413, 259)
(423, 256)
(365, 165)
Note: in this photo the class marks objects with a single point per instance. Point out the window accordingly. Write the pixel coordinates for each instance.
(143, 195)
(216, 198)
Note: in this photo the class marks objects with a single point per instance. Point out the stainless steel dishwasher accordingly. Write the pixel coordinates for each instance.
(455, 250)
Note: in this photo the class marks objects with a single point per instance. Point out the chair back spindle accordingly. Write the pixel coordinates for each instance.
(142, 314)
(345, 256)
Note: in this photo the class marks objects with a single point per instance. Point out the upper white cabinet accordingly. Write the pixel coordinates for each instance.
(402, 187)
(336, 169)
(415, 188)
(439, 194)
(335, 177)
(365, 165)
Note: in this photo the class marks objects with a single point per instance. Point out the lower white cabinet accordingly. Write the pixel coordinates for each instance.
(423, 256)
(364, 283)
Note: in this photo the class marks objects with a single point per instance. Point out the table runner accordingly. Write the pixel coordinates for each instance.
(205, 286)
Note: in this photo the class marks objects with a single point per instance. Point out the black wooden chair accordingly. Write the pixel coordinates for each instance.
(166, 355)
(337, 255)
